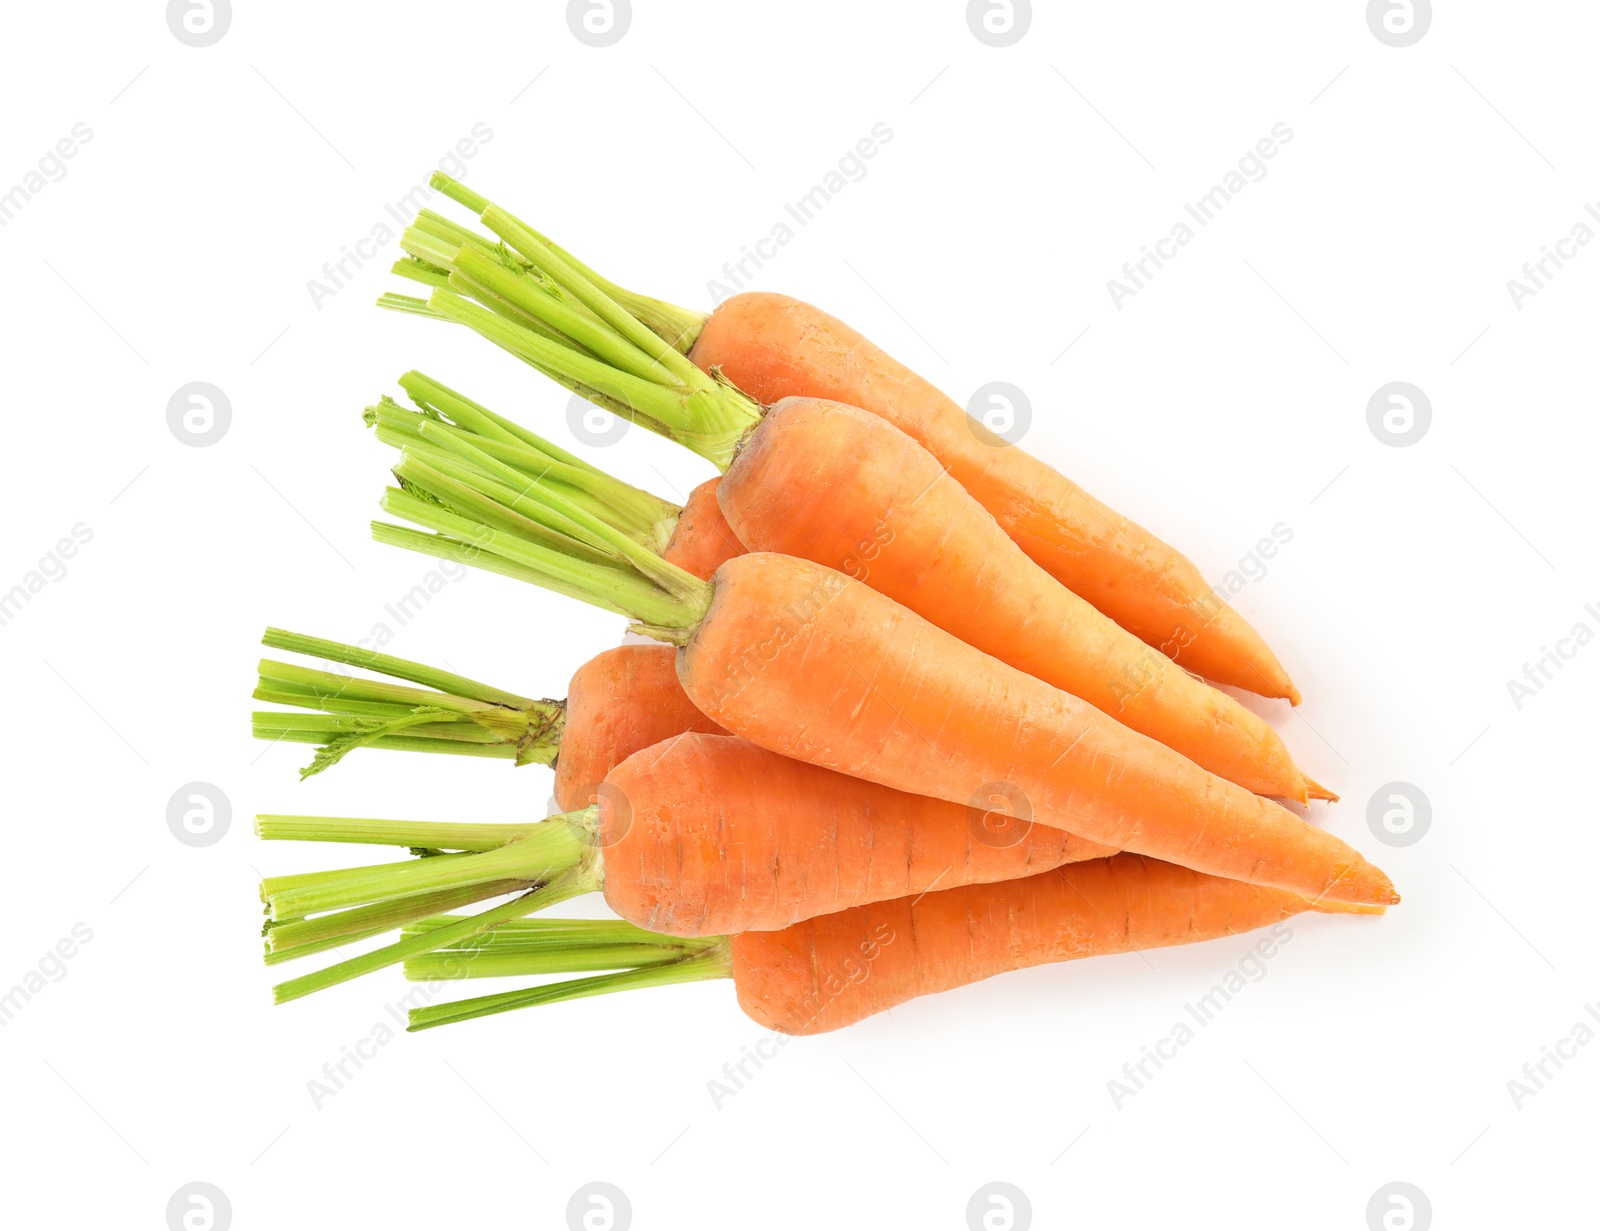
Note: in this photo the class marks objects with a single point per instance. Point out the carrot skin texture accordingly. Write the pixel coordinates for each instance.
(702, 539)
(773, 347)
(620, 701)
(806, 662)
(845, 488)
(707, 835)
(835, 970)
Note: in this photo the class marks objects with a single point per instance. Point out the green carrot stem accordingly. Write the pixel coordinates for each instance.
(343, 716)
(440, 227)
(702, 412)
(678, 327)
(266, 726)
(512, 331)
(552, 848)
(479, 497)
(598, 337)
(355, 967)
(454, 713)
(318, 683)
(553, 946)
(531, 933)
(409, 304)
(322, 728)
(591, 527)
(491, 963)
(604, 352)
(399, 668)
(297, 938)
(566, 275)
(512, 312)
(483, 510)
(638, 590)
(647, 516)
(713, 964)
(420, 271)
(482, 445)
(444, 547)
(580, 372)
(451, 836)
(643, 517)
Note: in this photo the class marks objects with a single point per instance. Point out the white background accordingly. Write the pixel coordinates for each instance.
(1228, 396)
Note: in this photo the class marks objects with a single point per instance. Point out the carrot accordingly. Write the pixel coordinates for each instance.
(803, 661)
(622, 700)
(707, 833)
(772, 347)
(848, 489)
(834, 484)
(700, 833)
(702, 539)
(835, 970)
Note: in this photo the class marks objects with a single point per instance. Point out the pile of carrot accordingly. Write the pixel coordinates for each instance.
(910, 682)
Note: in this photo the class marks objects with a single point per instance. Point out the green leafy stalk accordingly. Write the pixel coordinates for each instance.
(296, 938)
(678, 327)
(567, 535)
(714, 963)
(455, 836)
(551, 946)
(389, 955)
(450, 713)
(536, 301)
(546, 862)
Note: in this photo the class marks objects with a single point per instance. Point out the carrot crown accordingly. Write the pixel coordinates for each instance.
(543, 863)
(536, 301)
(526, 947)
(450, 713)
(497, 506)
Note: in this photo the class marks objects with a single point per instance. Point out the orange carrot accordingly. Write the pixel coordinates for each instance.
(702, 539)
(771, 347)
(699, 835)
(620, 701)
(848, 489)
(805, 662)
(835, 970)
(706, 834)
(844, 488)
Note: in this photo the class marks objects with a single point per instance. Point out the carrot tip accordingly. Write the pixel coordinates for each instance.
(1351, 908)
(1316, 790)
(1292, 695)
